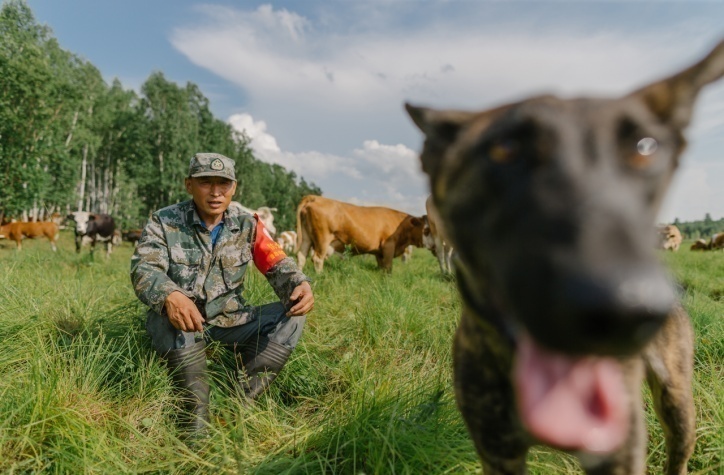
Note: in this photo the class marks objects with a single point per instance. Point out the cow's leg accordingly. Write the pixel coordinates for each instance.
(407, 255)
(381, 262)
(670, 364)
(448, 258)
(109, 248)
(441, 253)
(318, 259)
(52, 238)
(304, 250)
(78, 242)
(320, 242)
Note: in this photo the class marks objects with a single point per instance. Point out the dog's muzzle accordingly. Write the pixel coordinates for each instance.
(611, 314)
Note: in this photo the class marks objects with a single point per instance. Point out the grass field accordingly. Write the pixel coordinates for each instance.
(367, 391)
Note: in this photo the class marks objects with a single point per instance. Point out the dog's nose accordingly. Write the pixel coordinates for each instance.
(613, 314)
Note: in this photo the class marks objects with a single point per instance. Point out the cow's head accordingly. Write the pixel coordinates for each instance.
(80, 220)
(428, 240)
(416, 230)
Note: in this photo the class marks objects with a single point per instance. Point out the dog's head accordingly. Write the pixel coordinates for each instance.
(551, 206)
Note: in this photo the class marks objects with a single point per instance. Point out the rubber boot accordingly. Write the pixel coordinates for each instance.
(263, 360)
(188, 371)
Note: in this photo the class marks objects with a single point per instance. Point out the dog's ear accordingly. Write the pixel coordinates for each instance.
(441, 128)
(439, 125)
(672, 99)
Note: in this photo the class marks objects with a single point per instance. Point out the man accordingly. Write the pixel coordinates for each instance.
(189, 268)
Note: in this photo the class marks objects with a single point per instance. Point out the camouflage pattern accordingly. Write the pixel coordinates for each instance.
(212, 164)
(175, 254)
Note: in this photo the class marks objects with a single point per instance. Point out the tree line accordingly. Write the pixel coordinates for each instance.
(703, 229)
(71, 142)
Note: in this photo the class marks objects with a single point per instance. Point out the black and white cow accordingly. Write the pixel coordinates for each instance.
(95, 227)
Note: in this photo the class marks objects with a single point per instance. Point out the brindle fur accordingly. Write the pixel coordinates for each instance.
(573, 188)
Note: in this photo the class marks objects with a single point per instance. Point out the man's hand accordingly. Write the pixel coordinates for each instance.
(182, 313)
(303, 300)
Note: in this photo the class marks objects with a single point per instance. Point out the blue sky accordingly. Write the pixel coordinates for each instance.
(319, 85)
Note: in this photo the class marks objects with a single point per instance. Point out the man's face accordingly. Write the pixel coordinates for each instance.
(212, 194)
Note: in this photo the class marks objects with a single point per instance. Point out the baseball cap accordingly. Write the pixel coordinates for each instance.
(212, 164)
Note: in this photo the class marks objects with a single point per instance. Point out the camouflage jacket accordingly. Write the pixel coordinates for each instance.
(175, 254)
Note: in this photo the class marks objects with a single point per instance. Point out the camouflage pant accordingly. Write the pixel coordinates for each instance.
(271, 322)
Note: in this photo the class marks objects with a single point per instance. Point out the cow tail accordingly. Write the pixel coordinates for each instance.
(302, 206)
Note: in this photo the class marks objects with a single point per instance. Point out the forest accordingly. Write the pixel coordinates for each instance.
(69, 141)
(700, 229)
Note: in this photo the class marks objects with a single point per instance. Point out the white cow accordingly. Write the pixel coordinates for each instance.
(288, 241)
(264, 212)
(436, 240)
(669, 237)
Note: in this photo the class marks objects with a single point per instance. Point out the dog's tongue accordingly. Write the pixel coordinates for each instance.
(571, 403)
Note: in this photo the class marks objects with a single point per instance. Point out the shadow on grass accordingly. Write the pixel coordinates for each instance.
(417, 432)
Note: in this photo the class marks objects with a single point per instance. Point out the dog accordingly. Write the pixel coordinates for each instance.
(551, 205)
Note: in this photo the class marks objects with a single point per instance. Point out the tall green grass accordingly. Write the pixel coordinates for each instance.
(368, 390)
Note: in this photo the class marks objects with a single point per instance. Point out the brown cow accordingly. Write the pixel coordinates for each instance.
(700, 245)
(328, 226)
(17, 231)
(670, 237)
(717, 241)
(408, 233)
(132, 236)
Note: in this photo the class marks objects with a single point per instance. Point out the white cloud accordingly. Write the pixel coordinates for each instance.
(325, 91)
(391, 177)
(391, 159)
(694, 192)
(260, 140)
(313, 165)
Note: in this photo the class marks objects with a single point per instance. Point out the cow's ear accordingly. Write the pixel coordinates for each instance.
(672, 99)
(441, 129)
(92, 217)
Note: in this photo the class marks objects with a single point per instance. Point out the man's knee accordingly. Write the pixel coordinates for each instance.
(288, 331)
(165, 337)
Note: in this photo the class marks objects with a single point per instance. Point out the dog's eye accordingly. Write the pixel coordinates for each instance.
(647, 146)
(645, 153)
(502, 151)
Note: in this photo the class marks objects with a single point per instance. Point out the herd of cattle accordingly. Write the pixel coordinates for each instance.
(670, 240)
(325, 227)
(90, 228)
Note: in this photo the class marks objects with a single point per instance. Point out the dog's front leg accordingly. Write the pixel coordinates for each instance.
(630, 459)
(485, 396)
(670, 364)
